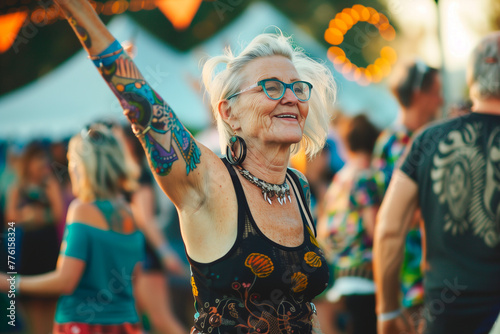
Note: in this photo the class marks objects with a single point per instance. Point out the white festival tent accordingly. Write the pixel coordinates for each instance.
(60, 103)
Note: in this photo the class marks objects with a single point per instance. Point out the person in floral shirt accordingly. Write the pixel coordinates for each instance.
(418, 90)
(346, 225)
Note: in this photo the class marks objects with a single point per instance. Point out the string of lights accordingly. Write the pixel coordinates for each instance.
(45, 13)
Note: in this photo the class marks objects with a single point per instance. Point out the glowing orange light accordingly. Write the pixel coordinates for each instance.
(52, 13)
(384, 65)
(334, 35)
(363, 12)
(346, 18)
(150, 4)
(179, 12)
(382, 20)
(339, 24)
(336, 51)
(376, 72)
(336, 55)
(367, 75)
(387, 32)
(389, 53)
(135, 5)
(38, 15)
(119, 7)
(374, 16)
(10, 24)
(107, 7)
(352, 13)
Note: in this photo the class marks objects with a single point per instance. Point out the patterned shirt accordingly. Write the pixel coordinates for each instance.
(348, 245)
(389, 148)
(456, 165)
(259, 286)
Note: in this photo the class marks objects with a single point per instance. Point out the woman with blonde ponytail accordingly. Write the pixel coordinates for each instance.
(101, 248)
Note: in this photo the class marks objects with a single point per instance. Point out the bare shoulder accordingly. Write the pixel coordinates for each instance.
(84, 213)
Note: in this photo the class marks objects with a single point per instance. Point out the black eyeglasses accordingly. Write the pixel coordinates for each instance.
(275, 89)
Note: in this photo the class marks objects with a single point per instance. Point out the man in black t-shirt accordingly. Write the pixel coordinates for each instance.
(452, 172)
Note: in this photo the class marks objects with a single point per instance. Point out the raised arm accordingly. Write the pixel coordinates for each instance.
(393, 222)
(172, 152)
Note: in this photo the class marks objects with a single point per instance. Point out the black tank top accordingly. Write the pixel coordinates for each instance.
(259, 286)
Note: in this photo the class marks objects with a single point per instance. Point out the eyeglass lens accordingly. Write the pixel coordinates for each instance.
(275, 89)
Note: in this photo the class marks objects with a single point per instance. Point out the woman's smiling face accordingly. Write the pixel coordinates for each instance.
(270, 122)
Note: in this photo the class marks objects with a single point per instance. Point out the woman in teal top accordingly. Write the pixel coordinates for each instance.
(101, 247)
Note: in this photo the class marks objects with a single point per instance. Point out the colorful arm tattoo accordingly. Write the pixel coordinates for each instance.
(144, 107)
(147, 109)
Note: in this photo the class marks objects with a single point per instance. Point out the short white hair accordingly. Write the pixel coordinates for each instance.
(222, 84)
(483, 74)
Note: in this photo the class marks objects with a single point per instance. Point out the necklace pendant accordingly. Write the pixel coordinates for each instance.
(269, 190)
(266, 198)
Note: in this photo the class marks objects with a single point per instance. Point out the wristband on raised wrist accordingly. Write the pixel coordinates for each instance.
(389, 315)
(108, 56)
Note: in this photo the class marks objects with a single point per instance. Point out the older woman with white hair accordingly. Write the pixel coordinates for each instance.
(245, 221)
(452, 172)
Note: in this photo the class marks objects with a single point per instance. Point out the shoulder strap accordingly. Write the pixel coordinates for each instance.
(238, 188)
(299, 194)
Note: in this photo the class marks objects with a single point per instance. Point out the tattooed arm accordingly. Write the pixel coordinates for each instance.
(172, 152)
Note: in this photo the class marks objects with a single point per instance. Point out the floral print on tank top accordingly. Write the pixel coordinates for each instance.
(259, 286)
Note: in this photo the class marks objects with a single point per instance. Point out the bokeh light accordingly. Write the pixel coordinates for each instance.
(336, 31)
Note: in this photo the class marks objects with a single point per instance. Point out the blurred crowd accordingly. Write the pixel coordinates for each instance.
(348, 181)
(36, 192)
